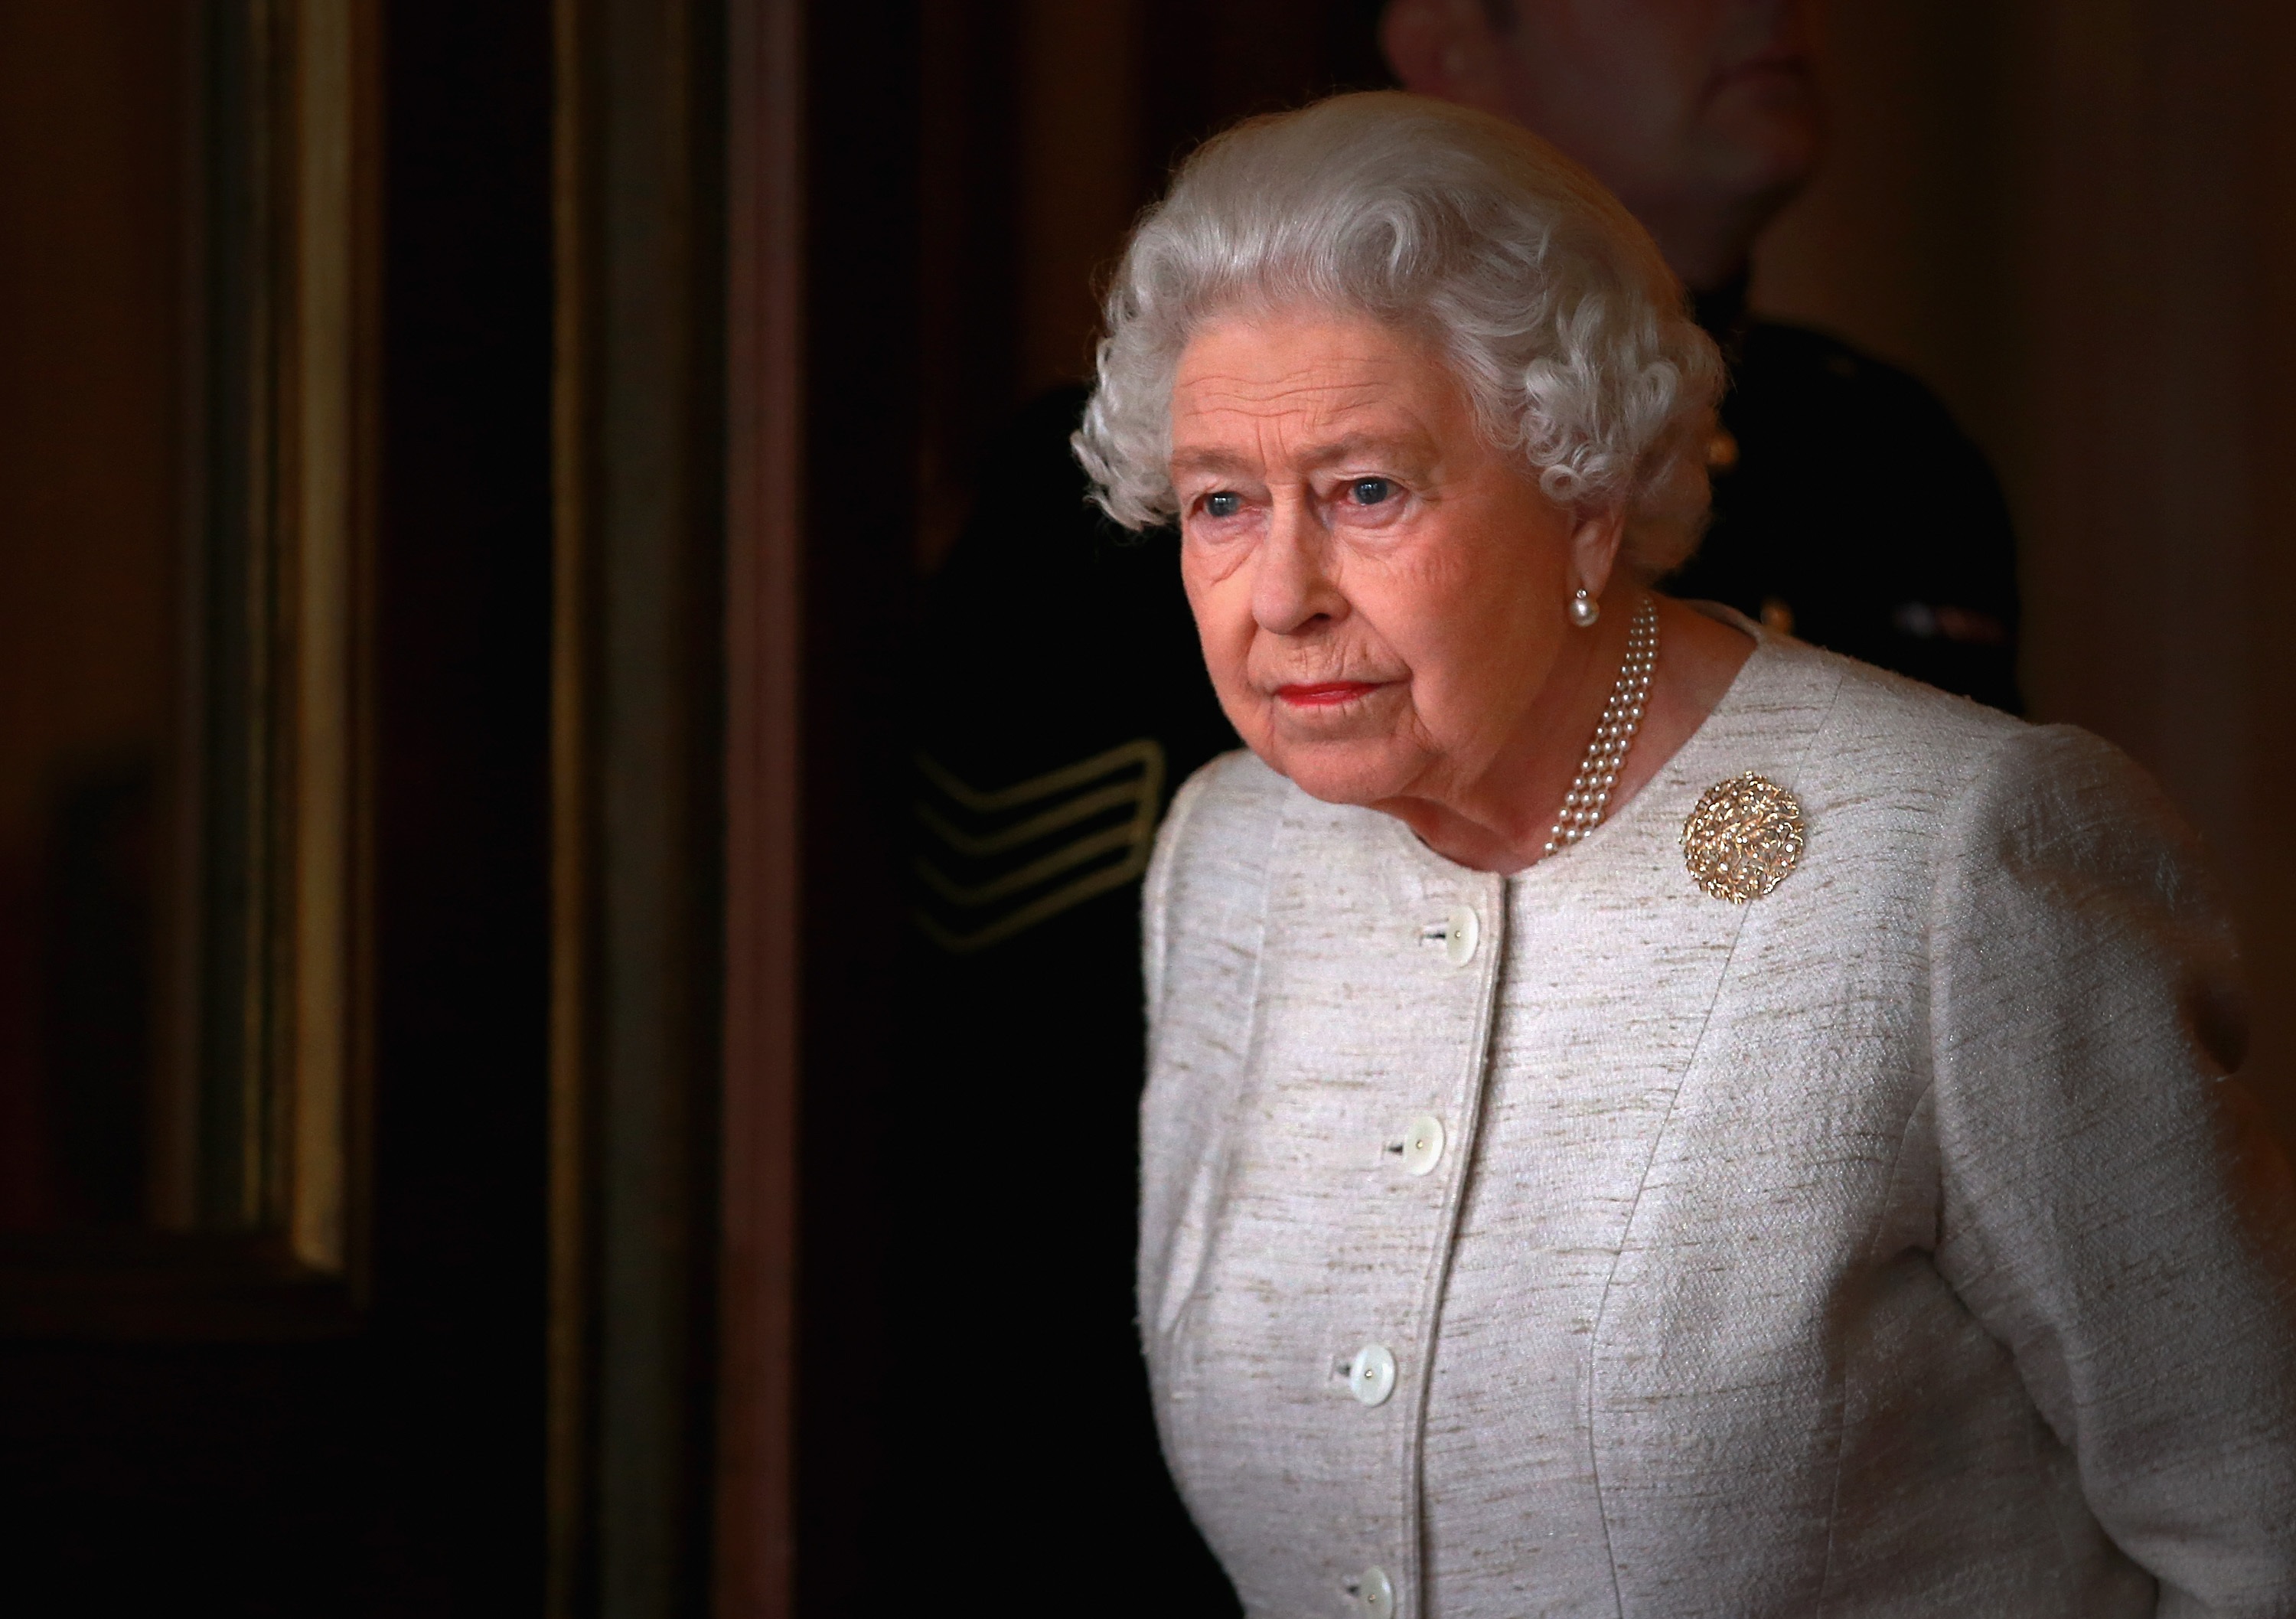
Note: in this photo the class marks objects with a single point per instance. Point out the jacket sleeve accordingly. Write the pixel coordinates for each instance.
(2112, 1207)
(1202, 916)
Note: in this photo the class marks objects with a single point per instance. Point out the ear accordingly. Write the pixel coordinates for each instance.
(1443, 48)
(1595, 546)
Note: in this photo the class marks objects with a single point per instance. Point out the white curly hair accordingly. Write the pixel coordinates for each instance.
(1551, 303)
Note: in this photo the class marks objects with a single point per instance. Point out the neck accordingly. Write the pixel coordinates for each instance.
(1708, 238)
(1500, 821)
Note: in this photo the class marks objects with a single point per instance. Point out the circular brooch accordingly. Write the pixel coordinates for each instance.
(1743, 837)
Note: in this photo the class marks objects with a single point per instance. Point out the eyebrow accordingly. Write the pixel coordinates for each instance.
(1345, 448)
(1208, 461)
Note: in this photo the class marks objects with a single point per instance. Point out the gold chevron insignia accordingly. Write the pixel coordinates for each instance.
(997, 863)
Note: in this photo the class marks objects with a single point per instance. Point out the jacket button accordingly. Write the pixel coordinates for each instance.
(1422, 1145)
(1374, 1594)
(1371, 1374)
(1462, 931)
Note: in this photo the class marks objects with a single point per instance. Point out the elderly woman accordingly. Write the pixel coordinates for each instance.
(1645, 1117)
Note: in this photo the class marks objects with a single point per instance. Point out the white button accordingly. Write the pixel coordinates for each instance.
(1374, 1591)
(1461, 931)
(1371, 1374)
(1422, 1144)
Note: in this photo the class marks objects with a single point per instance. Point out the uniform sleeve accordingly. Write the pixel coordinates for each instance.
(1966, 556)
(2112, 1207)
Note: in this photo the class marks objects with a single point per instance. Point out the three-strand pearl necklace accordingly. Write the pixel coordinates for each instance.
(1589, 798)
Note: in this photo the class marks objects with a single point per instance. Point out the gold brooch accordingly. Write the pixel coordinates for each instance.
(1744, 838)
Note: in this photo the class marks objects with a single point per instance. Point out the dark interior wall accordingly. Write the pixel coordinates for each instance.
(397, 1470)
(2269, 887)
(91, 112)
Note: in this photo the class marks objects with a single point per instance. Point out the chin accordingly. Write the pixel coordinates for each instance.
(1775, 149)
(1338, 773)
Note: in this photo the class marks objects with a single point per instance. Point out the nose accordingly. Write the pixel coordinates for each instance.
(1291, 586)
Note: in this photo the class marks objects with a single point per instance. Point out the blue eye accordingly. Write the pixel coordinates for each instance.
(1224, 504)
(1370, 491)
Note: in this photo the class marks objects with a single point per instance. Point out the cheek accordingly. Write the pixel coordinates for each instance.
(1640, 72)
(1450, 600)
(1471, 621)
(1223, 613)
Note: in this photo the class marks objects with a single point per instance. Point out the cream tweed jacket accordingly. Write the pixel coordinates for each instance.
(1578, 1244)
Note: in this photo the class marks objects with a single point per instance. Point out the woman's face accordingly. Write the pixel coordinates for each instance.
(1381, 596)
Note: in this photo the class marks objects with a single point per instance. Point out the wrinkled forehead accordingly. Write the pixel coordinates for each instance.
(1308, 378)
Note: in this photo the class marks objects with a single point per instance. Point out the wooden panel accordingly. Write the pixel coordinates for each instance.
(638, 694)
(756, 1508)
(253, 1049)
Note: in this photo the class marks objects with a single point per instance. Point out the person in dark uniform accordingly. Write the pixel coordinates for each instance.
(1061, 699)
(1850, 511)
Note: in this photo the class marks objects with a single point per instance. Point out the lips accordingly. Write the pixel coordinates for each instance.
(1326, 693)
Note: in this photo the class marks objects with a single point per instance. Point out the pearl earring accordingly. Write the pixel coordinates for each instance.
(1584, 610)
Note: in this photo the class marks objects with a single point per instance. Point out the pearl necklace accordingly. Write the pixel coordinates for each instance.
(1584, 806)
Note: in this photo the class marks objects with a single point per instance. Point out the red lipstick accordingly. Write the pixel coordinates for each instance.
(1326, 693)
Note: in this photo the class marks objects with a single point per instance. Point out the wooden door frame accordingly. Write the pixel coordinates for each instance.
(755, 1520)
(735, 188)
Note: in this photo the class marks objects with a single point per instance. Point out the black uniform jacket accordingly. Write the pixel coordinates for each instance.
(1850, 511)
